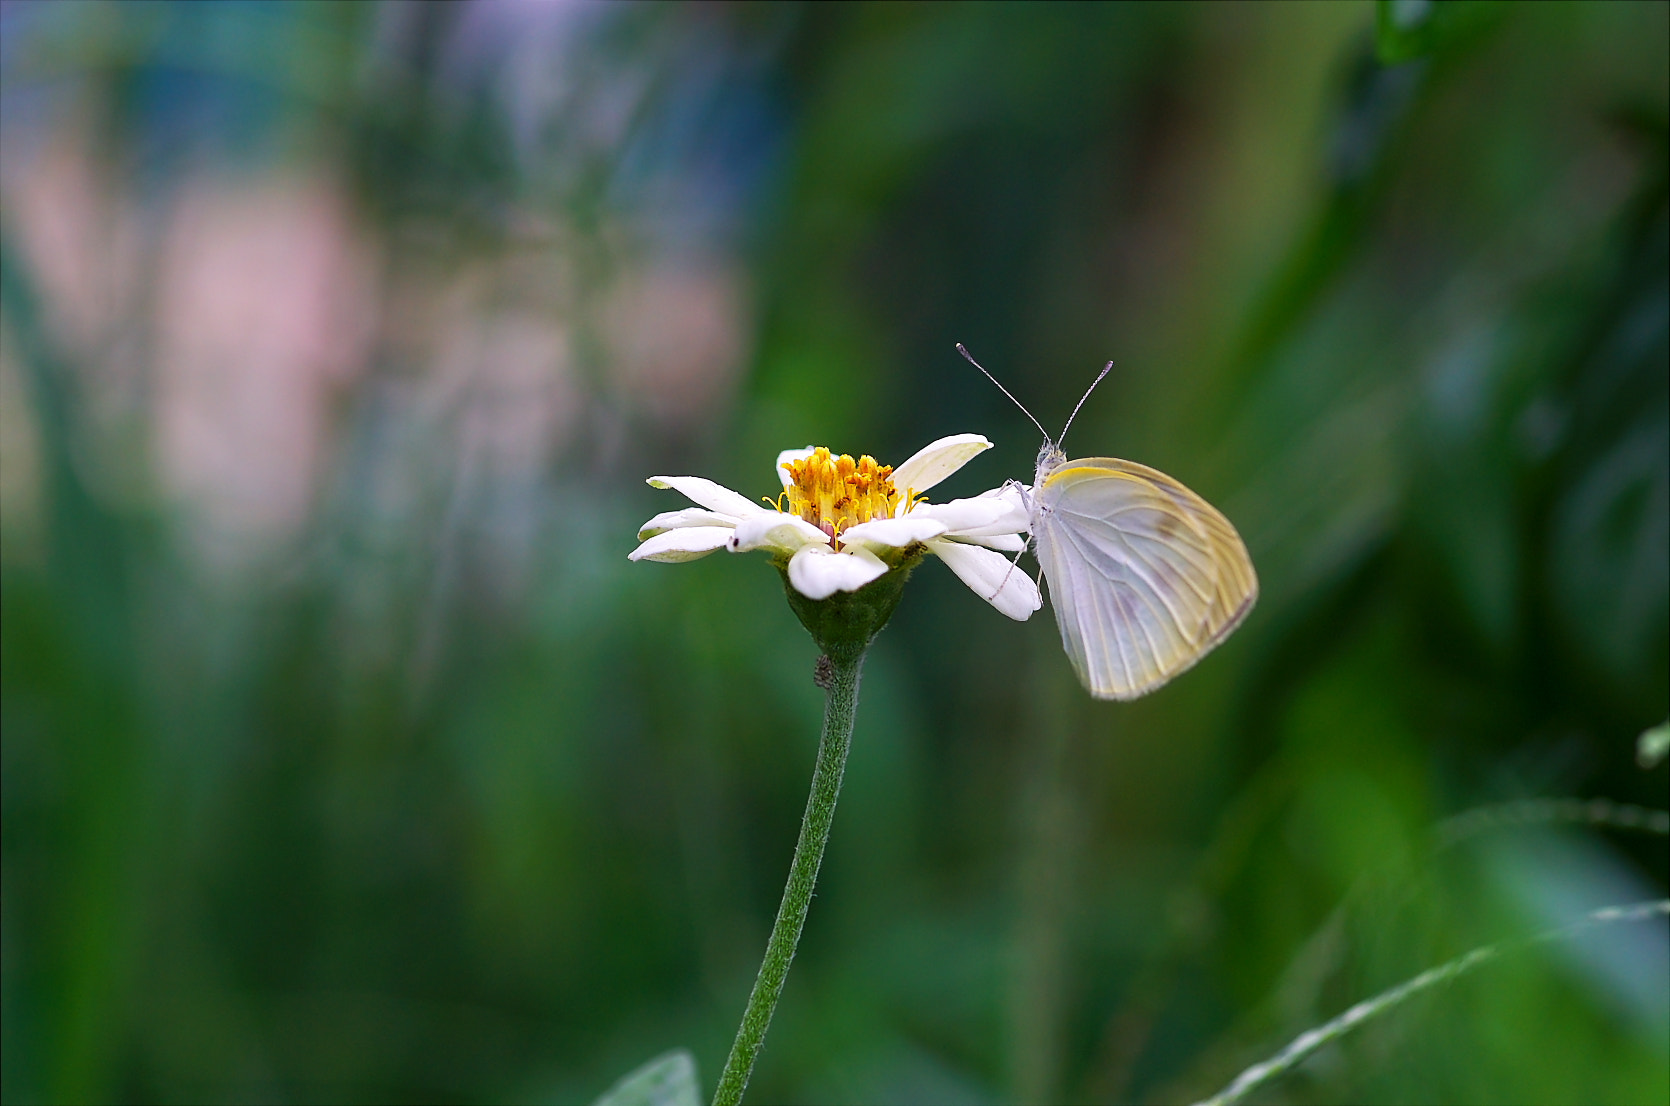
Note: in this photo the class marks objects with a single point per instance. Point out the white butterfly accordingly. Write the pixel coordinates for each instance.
(1144, 575)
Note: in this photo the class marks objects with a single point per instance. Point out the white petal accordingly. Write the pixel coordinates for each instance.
(893, 532)
(707, 494)
(994, 577)
(689, 516)
(1019, 498)
(1010, 491)
(937, 460)
(1015, 520)
(785, 533)
(788, 455)
(1009, 543)
(817, 573)
(997, 535)
(978, 517)
(683, 544)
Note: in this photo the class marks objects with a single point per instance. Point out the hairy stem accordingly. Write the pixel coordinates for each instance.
(839, 676)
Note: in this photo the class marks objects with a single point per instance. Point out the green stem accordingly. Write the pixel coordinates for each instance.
(840, 679)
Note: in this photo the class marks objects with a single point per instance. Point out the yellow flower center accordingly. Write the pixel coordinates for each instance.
(833, 493)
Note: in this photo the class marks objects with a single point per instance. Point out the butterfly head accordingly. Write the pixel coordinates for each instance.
(1050, 458)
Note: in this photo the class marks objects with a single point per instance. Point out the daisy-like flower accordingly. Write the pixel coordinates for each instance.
(839, 524)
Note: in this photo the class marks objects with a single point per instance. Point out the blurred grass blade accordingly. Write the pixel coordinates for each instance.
(667, 1080)
(1310, 1040)
(1539, 812)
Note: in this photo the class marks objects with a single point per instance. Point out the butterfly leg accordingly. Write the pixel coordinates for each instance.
(1026, 501)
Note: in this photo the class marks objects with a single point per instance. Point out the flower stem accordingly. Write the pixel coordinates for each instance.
(839, 677)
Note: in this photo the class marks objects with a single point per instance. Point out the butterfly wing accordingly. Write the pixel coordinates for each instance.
(1145, 576)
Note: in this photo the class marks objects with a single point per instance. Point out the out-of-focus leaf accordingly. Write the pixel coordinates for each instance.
(1409, 29)
(667, 1080)
(1651, 746)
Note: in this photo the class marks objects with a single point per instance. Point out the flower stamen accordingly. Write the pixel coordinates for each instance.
(834, 492)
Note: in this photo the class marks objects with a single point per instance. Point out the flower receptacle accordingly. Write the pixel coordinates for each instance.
(844, 624)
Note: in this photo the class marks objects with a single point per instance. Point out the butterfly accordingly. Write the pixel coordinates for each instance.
(1145, 577)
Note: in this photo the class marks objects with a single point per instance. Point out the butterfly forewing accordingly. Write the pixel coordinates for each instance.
(1237, 583)
(1145, 576)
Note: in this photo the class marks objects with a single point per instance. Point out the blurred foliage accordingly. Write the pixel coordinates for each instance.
(668, 1080)
(347, 759)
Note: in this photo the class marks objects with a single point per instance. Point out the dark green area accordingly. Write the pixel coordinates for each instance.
(424, 793)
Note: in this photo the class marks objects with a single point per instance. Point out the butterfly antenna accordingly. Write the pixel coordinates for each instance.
(970, 359)
(1105, 370)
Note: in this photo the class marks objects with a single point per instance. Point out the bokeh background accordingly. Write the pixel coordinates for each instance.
(346, 757)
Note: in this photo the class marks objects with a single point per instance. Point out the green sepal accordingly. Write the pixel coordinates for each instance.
(844, 624)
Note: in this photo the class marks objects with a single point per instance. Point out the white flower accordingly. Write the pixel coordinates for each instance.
(841, 523)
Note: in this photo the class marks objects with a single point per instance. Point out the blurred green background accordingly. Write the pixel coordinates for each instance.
(346, 758)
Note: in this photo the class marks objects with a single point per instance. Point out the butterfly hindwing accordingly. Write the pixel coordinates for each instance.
(1145, 576)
